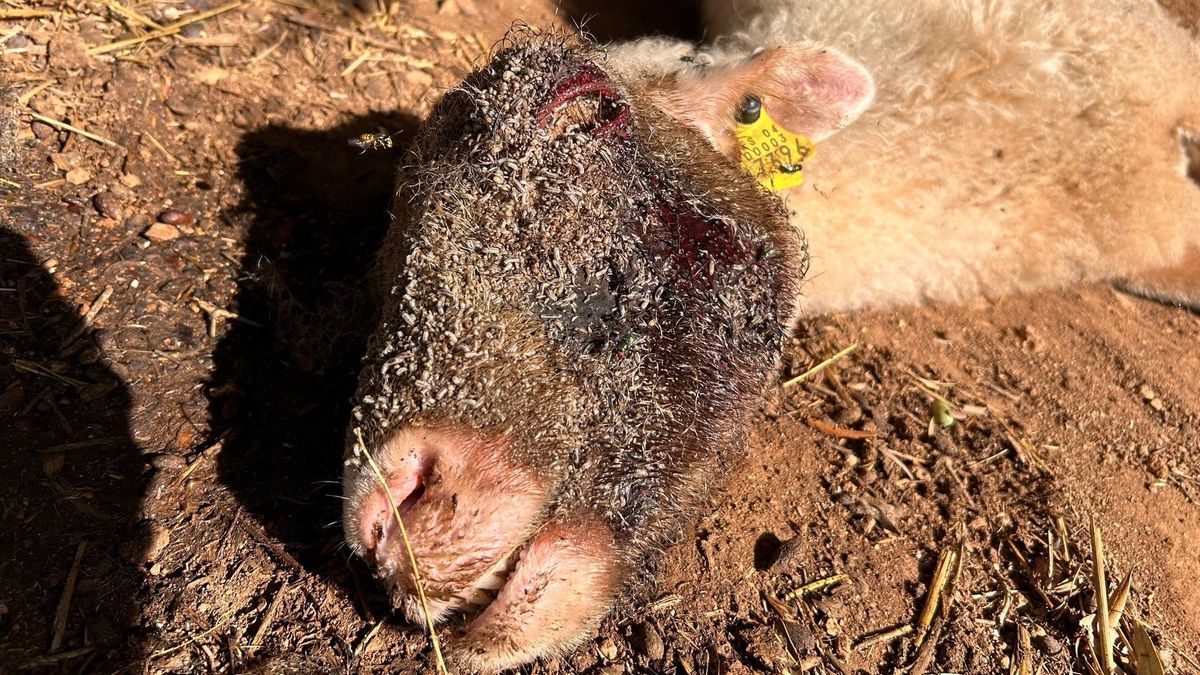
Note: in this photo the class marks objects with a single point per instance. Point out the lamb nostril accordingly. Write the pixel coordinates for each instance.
(412, 498)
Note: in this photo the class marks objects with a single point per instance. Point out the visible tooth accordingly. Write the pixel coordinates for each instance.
(476, 596)
(493, 581)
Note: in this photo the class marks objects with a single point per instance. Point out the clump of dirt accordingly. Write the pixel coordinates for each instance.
(185, 233)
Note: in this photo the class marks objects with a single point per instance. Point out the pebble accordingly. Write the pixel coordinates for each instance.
(649, 642)
(1048, 644)
(176, 217)
(49, 105)
(168, 462)
(137, 221)
(78, 176)
(608, 650)
(109, 205)
(181, 104)
(68, 51)
(130, 180)
(157, 539)
(103, 631)
(41, 130)
(192, 30)
(161, 232)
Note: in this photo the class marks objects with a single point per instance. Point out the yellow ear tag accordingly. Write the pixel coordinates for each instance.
(772, 154)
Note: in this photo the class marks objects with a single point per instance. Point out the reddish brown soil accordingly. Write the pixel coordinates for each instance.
(183, 443)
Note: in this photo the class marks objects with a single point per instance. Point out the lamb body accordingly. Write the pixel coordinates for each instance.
(585, 295)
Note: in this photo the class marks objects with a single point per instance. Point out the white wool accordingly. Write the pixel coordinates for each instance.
(1012, 144)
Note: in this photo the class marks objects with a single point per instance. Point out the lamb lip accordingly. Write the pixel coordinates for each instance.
(588, 80)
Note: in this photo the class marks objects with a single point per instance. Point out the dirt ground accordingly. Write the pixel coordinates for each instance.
(182, 310)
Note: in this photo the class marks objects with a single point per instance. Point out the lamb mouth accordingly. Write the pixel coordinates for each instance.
(464, 604)
(481, 593)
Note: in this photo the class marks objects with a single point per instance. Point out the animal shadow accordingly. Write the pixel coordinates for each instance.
(72, 480)
(279, 398)
(616, 20)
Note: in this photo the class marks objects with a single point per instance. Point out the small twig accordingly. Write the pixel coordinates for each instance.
(25, 98)
(165, 31)
(25, 13)
(309, 22)
(215, 314)
(839, 432)
(872, 639)
(356, 63)
(81, 445)
(820, 366)
(947, 561)
(74, 129)
(131, 14)
(268, 615)
(366, 641)
(97, 305)
(55, 659)
(38, 369)
(198, 636)
(160, 147)
(1104, 638)
(816, 586)
(1023, 663)
(64, 602)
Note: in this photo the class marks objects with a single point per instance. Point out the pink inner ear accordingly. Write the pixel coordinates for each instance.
(809, 91)
(814, 92)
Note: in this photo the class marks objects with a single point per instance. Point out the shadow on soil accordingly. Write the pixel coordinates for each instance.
(316, 209)
(615, 20)
(70, 470)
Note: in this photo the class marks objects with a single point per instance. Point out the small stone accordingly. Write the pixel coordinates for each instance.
(103, 631)
(120, 191)
(378, 89)
(181, 104)
(608, 650)
(192, 30)
(176, 217)
(418, 78)
(68, 51)
(49, 105)
(1148, 393)
(1048, 645)
(168, 462)
(138, 221)
(41, 130)
(1157, 404)
(648, 641)
(109, 205)
(130, 180)
(157, 538)
(78, 176)
(161, 232)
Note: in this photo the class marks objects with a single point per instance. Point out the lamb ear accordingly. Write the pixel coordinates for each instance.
(812, 91)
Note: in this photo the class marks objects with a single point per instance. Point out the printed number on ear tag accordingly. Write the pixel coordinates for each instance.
(772, 154)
